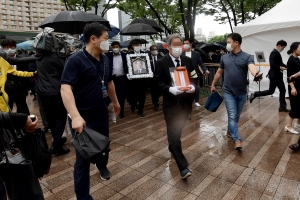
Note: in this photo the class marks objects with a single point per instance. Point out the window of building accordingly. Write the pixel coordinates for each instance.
(19, 8)
(13, 22)
(55, 10)
(55, 6)
(34, 14)
(21, 27)
(5, 27)
(4, 21)
(28, 28)
(27, 18)
(26, 3)
(35, 23)
(48, 5)
(35, 18)
(48, 10)
(28, 24)
(34, 4)
(19, 3)
(27, 8)
(12, 17)
(34, 9)
(4, 11)
(27, 13)
(20, 17)
(11, 1)
(41, 14)
(20, 13)
(12, 12)
(4, 16)
(41, 4)
(48, 0)
(13, 27)
(11, 7)
(36, 28)
(20, 23)
(41, 9)
(3, 1)
(3, 6)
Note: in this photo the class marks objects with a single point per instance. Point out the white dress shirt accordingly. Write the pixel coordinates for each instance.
(188, 54)
(118, 65)
(175, 63)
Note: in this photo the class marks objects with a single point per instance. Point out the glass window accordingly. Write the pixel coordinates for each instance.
(35, 23)
(12, 17)
(3, 1)
(5, 27)
(34, 14)
(26, 8)
(12, 12)
(41, 9)
(20, 13)
(19, 8)
(11, 7)
(36, 28)
(55, 10)
(28, 24)
(35, 18)
(20, 23)
(4, 21)
(34, 4)
(3, 6)
(21, 27)
(34, 9)
(11, 1)
(4, 11)
(28, 28)
(4, 16)
(27, 13)
(41, 14)
(19, 3)
(48, 10)
(20, 17)
(13, 22)
(13, 27)
(27, 18)
(55, 6)
(27, 3)
(41, 4)
(48, 5)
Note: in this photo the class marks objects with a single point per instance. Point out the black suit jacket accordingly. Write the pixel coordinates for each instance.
(151, 61)
(16, 61)
(196, 60)
(110, 56)
(275, 64)
(172, 104)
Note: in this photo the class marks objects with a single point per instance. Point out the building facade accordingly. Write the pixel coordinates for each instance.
(27, 15)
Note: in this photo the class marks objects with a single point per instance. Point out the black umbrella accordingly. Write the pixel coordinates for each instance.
(209, 47)
(150, 22)
(138, 29)
(72, 22)
(140, 41)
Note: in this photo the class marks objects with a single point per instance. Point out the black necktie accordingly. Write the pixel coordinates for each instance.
(178, 63)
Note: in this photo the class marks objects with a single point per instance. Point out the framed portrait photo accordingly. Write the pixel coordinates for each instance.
(139, 66)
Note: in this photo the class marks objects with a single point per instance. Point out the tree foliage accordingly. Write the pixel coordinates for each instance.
(237, 12)
(218, 38)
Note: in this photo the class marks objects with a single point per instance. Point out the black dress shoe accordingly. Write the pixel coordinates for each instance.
(155, 108)
(59, 152)
(121, 115)
(62, 141)
(252, 97)
(284, 110)
(295, 147)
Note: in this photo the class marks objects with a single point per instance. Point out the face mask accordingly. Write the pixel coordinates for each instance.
(10, 52)
(176, 51)
(186, 46)
(137, 49)
(210, 54)
(229, 47)
(279, 50)
(154, 52)
(116, 50)
(104, 45)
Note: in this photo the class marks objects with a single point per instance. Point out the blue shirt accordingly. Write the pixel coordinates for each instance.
(235, 68)
(80, 73)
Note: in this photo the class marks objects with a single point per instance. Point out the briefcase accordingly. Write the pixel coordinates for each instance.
(213, 102)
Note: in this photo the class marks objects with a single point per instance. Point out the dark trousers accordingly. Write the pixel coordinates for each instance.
(197, 89)
(155, 93)
(82, 171)
(2, 190)
(20, 100)
(175, 124)
(137, 92)
(42, 112)
(120, 86)
(56, 115)
(272, 86)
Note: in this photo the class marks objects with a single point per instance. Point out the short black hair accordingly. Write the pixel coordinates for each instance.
(8, 42)
(281, 43)
(153, 46)
(115, 43)
(294, 47)
(188, 39)
(235, 37)
(95, 29)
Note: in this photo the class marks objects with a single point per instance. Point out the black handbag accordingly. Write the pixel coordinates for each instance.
(20, 180)
(35, 149)
(91, 145)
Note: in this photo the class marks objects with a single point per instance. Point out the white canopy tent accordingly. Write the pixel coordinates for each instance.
(282, 22)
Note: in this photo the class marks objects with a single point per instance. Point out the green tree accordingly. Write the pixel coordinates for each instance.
(218, 38)
(237, 12)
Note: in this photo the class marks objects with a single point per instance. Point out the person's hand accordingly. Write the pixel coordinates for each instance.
(258, 77)
(213, 89)
(30, 126)
(294, 92)
(78, 123)
(117, 108)
(175, 90)
(282, 68)
(192, 90)
(294, 76)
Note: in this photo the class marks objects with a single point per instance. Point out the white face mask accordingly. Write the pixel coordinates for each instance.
(104, 45)
(229, 47)
(176, 51)
(210, 54)
(186, 46)
(154, 52)
(116, 50)
(137, 49)
(10, 52)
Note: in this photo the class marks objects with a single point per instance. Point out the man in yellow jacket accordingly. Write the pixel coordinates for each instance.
(6, 68)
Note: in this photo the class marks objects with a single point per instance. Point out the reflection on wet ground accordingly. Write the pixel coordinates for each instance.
(142, 167)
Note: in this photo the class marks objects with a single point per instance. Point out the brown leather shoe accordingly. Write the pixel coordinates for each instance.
(238, 145)
(228, 134)
(295, 147)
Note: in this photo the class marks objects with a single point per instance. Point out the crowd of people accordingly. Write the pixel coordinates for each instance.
(85, 83)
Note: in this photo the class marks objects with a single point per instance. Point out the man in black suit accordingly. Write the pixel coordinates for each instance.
(155, 93)
(118, 63)
(177, 104)
(138, 65)
(198, 65)
(276, 76)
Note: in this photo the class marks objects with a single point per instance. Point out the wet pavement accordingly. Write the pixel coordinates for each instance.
(142, 168)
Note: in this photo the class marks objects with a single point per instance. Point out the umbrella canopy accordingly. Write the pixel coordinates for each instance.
(114, 31)
(126, 43)
(27, 45)
(150, 22)
(209, 47)
(138, 29)
(72, 22)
